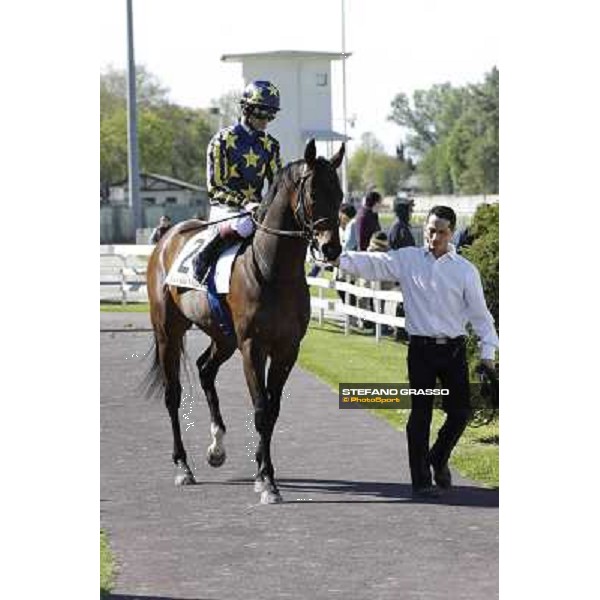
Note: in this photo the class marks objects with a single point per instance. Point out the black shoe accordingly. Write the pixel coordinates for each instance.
(425, 492)
(442, 477)
(209, 253)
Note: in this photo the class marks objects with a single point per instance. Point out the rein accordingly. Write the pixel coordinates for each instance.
(302, 215)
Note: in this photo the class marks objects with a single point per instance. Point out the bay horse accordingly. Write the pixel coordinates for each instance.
(268, 300)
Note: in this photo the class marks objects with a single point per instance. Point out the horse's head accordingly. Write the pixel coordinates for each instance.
(319, 199)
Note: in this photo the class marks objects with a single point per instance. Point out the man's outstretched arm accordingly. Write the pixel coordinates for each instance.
(374, 266)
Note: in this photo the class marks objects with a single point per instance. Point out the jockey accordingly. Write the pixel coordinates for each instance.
(240, 158)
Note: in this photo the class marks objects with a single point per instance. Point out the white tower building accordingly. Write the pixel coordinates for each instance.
(304, 82)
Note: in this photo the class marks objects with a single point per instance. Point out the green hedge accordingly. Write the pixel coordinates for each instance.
(484, 253)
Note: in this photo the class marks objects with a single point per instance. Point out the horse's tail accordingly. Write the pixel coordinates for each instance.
(153, 381)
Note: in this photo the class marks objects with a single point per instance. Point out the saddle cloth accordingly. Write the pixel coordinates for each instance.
(181, 273)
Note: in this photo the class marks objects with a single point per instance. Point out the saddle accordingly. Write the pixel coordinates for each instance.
(181, 273)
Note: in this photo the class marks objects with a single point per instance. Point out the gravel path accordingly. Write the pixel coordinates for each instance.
(347, 529)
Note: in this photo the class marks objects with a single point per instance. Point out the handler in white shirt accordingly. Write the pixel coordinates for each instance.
(442, 292)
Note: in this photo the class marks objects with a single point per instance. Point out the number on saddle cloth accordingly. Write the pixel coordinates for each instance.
(185, 264)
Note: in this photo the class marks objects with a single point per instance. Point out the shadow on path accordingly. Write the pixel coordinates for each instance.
(129, 597)
(373, 491)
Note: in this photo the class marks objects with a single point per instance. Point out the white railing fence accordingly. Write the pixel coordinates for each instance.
(123, 272)
(123, 278)
(383, 301)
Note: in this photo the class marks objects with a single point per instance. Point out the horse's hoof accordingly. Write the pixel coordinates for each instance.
(259, 486)
(215, 459)
(270, 497)
(184, 479)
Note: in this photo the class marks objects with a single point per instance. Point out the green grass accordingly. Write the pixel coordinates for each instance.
(329, 294)
(386, 220)
(357, 358)
(106, 566)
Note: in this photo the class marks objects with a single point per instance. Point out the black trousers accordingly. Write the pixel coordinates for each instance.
(426, 363)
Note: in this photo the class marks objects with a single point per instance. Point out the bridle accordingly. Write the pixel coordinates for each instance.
(302, 211)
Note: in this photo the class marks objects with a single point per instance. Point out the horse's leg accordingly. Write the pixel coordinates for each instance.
(208, 366)
(169, 351)
(254, 359)
(279, 370)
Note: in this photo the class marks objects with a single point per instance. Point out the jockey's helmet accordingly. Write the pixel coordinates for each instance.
(262, 97)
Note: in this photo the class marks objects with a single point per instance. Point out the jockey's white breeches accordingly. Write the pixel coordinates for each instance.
(243, 226)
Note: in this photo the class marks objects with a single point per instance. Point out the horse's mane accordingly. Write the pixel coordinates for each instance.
(282, 178)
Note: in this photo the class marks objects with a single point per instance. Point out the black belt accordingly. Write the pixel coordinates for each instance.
(422, 340)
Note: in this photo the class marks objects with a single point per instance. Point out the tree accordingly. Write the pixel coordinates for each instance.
(370, 167)
(172, 139)
(484, 253)
(431, 116)
(190, 131)
(453, 133)
(113, 147)
(229, 106)
(113, 89)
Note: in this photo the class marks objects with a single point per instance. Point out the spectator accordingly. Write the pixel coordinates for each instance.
(348, 227)
(349, 242)
(367, 221)
(164, 224)
(463, 238)
(347, 216)
(400, 235)
(379, 243)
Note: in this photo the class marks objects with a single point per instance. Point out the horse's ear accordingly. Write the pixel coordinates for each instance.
(336, 159)
(310, 153)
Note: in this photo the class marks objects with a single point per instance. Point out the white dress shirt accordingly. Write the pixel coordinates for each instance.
(440, 295)
(348, 236)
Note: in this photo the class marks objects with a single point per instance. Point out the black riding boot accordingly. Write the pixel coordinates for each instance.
(209, 254)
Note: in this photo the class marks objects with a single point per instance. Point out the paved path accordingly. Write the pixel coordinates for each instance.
(347, 528)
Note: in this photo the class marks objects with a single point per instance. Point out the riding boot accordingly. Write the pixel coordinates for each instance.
(209, 254)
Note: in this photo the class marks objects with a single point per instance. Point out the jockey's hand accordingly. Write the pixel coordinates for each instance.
(251, 207)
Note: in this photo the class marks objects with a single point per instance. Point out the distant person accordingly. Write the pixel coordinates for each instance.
(348, 241)
(367, 220)
(463, 239)
(164, 224)
(400, 235)
(347, 216)
(348, 237)
(378, 243)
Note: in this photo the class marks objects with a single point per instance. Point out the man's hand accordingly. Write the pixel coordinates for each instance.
(251, 207)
